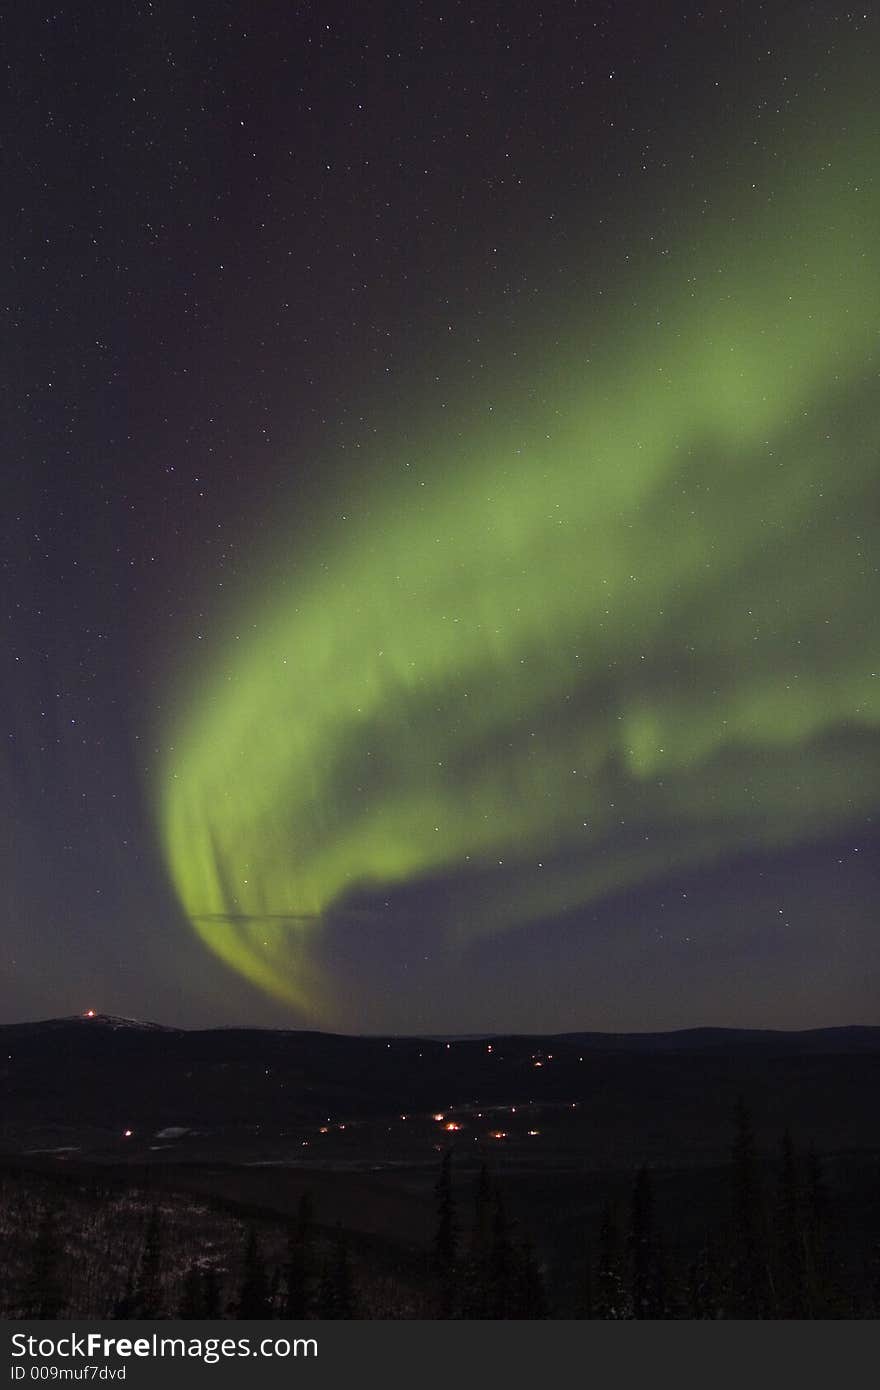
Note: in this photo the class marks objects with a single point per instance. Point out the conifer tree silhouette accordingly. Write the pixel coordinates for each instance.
(300, 1271)
(336, 1297)
(791, 1233)
(501, 1263)
(191, 1304)
(445, 1238)
(475, 1294)
(750, 1288)
(253, 1295)
(211, 1298)
(530, 1300)
(43, 1296)
(146, 1297)
(646, 1292)
(611, 1300)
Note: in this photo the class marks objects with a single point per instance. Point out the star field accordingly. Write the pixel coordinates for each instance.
(436, 556)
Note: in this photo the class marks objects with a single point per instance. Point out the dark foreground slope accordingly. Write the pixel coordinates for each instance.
(105, 1121)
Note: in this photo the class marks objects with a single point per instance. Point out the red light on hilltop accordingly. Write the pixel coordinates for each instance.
(90, 1013)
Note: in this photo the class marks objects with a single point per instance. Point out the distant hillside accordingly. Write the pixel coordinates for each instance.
(850, 1038)
(854, 1038)
(81, 1083)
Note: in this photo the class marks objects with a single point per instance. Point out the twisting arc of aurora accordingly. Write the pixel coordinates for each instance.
(580, 649)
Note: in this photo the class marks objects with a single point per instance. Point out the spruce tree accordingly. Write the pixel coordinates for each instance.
(482, 1229)
(475, 1281)
(790, 1282)
(445, 1238)
(610, 1299)
(123, 1305)
(146, 1298)
(191, 1299)
(336, 1297)
(211, 1297)
(872, 1281)
(253, 1295)
(821, 1297)
(43, 1297)
(587, 1299)
(501, 1264)
(646, 1293)
(749, 1291)
(300, 1268)
(274, 1298)
(530, 1295)
(703, 1294)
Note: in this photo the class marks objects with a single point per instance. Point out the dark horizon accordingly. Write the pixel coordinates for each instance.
(584, 1034)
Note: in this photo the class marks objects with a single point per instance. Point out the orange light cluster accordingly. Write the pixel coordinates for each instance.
(452, 1127)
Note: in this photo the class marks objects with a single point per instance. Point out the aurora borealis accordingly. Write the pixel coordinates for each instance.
(560, 630)
(595, 638)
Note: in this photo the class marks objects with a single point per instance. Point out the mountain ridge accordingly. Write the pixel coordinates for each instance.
(840, 1037)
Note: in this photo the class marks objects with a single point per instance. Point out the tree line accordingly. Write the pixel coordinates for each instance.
(771, 1256)
(315, 1280)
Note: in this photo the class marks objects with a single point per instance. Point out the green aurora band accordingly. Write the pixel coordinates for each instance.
(620, 628)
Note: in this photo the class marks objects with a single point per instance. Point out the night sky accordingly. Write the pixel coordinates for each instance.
(438, 565)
